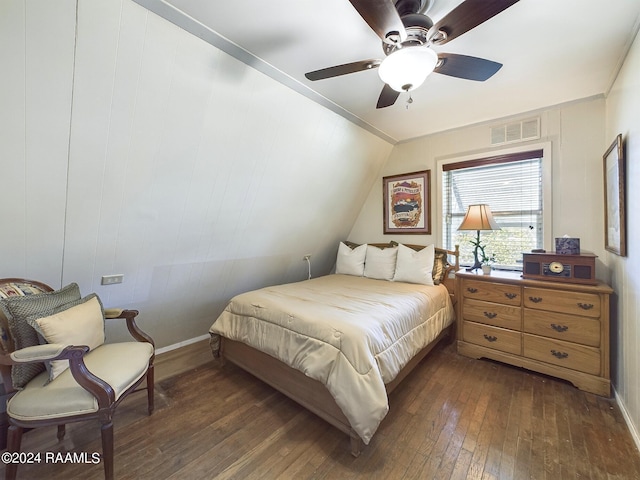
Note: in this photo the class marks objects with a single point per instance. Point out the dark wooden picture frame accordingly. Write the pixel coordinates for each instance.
(615, 227)
(407, 203)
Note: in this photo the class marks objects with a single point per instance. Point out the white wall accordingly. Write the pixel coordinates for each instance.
(134, 147)
(623, 105)
(35, 104)
(573, 134)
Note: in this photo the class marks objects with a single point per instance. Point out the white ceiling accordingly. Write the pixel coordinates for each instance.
(553, 51)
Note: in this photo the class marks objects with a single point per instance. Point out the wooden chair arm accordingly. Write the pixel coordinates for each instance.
(36, 354)
(101, 390)
(130, 317)
(97, 387)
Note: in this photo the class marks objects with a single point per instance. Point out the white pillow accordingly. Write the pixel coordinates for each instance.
(351, 261)
(380, 262)
(415, 267)
(79, 325)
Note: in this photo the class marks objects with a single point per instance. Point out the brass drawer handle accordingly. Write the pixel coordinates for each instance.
(472, 290)
(535, 299)
(490, 338)
(490, 314)
(511, 296)
(559, 355)
(559, 328)
(585, 306)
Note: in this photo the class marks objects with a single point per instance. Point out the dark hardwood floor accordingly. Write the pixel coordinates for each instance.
(452, 418)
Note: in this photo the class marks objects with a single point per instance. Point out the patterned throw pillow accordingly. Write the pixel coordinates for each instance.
(18, 289)
(18, 308)
(439, 266)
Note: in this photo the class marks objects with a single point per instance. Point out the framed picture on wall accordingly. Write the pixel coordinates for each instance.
(614, 199)
(407, 203)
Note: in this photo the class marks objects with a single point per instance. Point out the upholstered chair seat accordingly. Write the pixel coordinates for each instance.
(120, 365)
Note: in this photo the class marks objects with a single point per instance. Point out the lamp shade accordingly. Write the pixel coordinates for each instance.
(478, 217)
(407, 68)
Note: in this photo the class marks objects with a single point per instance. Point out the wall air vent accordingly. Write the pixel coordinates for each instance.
(516, 132)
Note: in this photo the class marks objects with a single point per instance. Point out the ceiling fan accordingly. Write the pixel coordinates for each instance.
(407, 36)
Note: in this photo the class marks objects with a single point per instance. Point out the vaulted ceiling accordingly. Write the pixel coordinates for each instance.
(552, 52)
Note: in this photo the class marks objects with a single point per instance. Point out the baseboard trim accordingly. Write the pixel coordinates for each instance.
(168, 348)
(627, 418)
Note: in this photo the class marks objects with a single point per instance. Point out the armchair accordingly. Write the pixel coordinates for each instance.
(98, 377)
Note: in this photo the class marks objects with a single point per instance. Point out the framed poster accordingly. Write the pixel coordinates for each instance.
(614, 199)
(407, 207)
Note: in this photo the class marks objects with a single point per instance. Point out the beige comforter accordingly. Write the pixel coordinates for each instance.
(353, 334)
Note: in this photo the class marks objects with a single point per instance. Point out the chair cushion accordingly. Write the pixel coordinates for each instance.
(119, 364)
(81, 324)
(18, 308)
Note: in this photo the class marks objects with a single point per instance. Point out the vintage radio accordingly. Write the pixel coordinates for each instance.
(560, 268)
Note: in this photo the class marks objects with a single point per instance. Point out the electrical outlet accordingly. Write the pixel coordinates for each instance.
(307, 257)
(112, 279)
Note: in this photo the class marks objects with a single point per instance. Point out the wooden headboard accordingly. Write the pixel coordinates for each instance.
(448, 280)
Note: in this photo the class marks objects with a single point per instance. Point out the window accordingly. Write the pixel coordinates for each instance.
(512, 187)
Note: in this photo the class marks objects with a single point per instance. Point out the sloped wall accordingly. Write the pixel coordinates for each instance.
(137, 148)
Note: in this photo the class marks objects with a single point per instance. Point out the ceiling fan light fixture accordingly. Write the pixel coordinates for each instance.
(407, 68)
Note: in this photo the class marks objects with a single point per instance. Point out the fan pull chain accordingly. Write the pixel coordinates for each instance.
(409, 101)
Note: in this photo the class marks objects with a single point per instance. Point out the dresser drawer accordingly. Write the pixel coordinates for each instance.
(493, 337)
(544, 326)
(492, 292)
(569, 355)
(575, 303)
(497, 314)
(571, 328)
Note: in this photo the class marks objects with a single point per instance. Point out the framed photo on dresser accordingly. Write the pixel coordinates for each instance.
(614, 198)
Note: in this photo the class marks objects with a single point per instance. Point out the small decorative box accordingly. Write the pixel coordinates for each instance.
(567, 246)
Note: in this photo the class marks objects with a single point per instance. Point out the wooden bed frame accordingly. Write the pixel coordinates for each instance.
(312, 394)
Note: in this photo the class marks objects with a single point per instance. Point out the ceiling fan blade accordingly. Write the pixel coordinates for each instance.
(344, 69)
(463, 66)
(388, 97)
(383, 18)
(469, 14)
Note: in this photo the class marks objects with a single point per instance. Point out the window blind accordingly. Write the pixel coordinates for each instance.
(512, 187)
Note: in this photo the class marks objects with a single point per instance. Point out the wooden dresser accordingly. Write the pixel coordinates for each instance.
(558, 329)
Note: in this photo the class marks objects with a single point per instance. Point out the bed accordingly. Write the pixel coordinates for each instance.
(339, 344)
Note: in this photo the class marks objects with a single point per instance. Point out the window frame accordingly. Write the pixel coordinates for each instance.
(488, 157)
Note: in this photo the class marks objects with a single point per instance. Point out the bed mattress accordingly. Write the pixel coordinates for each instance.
(353, 334)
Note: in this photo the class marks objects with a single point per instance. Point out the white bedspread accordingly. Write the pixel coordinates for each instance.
(353, 334)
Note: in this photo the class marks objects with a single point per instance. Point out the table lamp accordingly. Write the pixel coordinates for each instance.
(478, 218)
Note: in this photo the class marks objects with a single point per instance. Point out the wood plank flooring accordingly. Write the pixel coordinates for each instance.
(452, 418)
